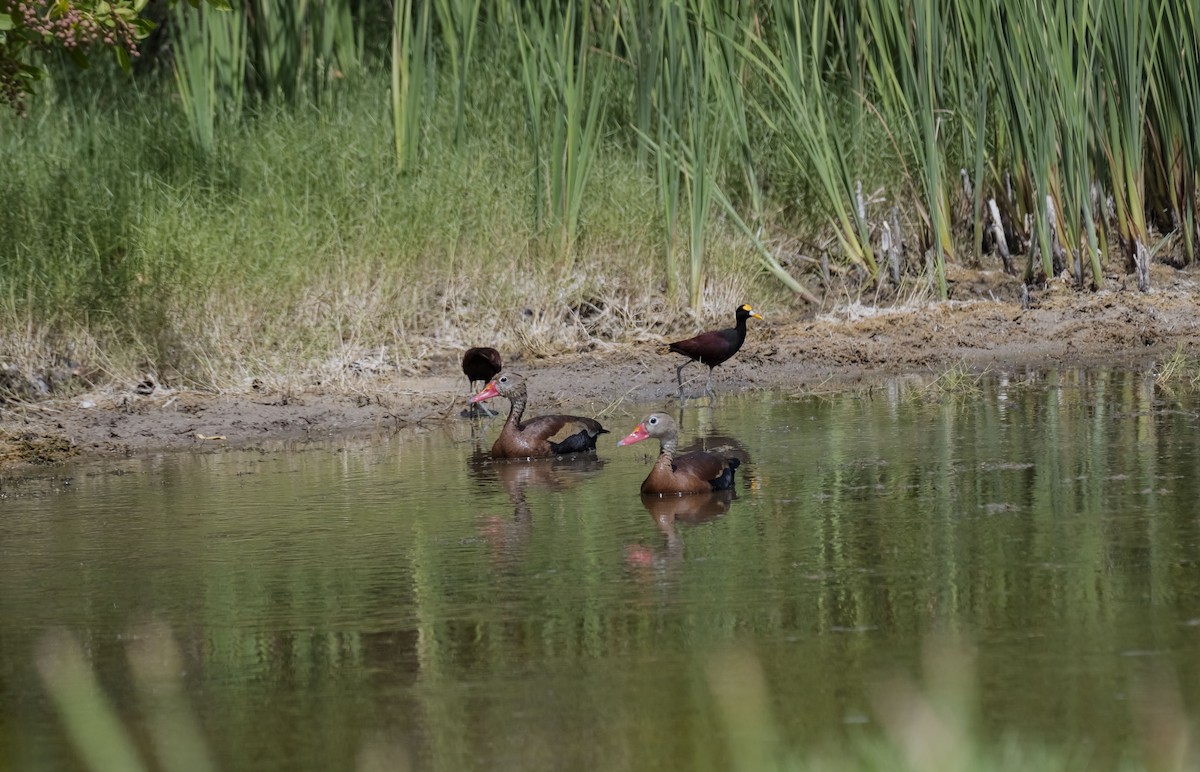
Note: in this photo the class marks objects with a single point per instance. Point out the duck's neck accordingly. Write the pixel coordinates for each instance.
(667, 447)
(514, 413)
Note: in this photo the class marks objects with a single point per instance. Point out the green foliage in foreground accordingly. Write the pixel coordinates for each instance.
(924, 727)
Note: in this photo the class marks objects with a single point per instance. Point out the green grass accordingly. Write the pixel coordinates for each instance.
(298, 245)
(1180, 369)
(337, 189)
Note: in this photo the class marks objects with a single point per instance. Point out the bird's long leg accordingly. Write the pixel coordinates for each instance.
(712, 395)
(679, 376)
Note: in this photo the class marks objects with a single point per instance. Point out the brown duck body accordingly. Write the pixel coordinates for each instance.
(695, 472)
(540, 437)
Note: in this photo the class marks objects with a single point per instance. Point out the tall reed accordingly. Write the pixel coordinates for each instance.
(564, 88)
(210, 67)
(669, 107)
(411, 56)
(458, 21)
(802, 112)
(905, 55)
(1126, 42)
(690, 140)
(691, 135)
(1071, 61)
(1174, 120)
(969, 63)
(265, 48)
(1028, 121)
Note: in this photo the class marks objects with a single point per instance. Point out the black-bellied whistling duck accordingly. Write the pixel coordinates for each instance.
(481, 363)
(713, 347)
(547, 435)
(695, 472)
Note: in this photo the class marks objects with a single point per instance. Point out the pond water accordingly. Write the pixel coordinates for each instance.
(405, 603)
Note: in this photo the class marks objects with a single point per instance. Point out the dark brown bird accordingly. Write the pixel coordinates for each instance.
(713, 347)
(481, 364)
(547, 435)
(695, 472)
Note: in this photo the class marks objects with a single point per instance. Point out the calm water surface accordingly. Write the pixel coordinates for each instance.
(406, 599)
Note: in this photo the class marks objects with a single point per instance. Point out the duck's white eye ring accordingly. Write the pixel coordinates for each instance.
(504, 379)
(653, 421)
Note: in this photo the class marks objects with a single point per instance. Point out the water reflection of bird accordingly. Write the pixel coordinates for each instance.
(540, 437)
(516, 479)
(481, 363)
(713, 347)
(673, 473)
(666, 512)
(693, 510)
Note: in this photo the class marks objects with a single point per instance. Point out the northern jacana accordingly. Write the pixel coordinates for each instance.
(713, 347)
(547, 435)
(695, 472)
(481, 363)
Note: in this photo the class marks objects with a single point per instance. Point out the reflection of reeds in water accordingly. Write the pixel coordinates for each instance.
(927, 726)
(931, 726)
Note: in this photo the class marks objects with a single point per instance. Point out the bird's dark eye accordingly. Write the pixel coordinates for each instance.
(653, 421)
(504, 379)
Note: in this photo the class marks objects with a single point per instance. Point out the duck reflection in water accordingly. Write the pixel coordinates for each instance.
(516, 478)
(667, 512)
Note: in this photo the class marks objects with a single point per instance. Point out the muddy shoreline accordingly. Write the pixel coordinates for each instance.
(842, 348)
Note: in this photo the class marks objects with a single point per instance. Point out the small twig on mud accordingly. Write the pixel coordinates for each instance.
(612, 406)
(818, 390)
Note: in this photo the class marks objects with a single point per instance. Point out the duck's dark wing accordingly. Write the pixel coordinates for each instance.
(716, 470)
(564, 433)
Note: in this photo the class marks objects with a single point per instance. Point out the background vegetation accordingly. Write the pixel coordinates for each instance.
(311, 185)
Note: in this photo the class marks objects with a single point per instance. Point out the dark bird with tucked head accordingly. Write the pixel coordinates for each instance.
(481, 364)
(547, 435)
(713, 347)
(695, 472)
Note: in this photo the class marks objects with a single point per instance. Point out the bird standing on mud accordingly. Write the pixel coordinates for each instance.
(481, 363)
(713, 347)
